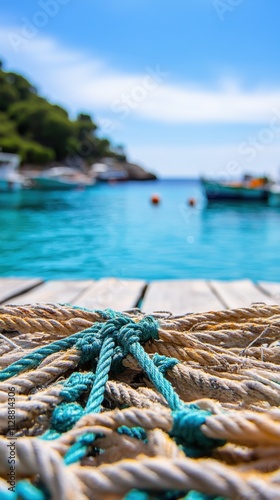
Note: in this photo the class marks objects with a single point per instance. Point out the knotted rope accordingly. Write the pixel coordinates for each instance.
(77, 439)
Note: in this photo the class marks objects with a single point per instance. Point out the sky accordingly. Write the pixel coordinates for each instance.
(189, 87)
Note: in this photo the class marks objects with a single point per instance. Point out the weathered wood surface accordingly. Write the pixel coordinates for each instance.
(11, 287)
(112, 293)
(55, 291)
(239, 293)
(272, 289)
(176, 296)
(180, 297)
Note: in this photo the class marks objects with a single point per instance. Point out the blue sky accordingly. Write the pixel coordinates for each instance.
(189, 86)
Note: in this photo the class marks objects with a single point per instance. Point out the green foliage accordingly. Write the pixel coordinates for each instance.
(20, 83)
(84, 127)
(43, 123)
(8, 95)
(40, 131)
(30, 151)
(7, 127)
(35, 153)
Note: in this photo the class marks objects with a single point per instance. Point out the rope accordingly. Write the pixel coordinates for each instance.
(70, 367)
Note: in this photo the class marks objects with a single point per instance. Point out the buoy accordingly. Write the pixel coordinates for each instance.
(155, 199)
(192, 202)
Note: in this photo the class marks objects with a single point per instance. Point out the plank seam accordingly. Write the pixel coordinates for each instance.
(21, 293)
(141, 296)
(217, 294)
(80, 294)
(266, 292)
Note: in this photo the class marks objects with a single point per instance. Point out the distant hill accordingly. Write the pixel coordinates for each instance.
(42, 133)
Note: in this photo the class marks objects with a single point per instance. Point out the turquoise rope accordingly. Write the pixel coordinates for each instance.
(79, 449)
(127, 334)
(96, 396)
(65, 416)
(164, 363)
(110, 342)
(187, 421)
(186, 429)
(27, 491)
(162, 385)
(33, 359)
(7, 495)
(76, 384)
(196, 495)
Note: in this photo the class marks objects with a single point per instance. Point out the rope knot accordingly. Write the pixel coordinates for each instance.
(89, 346)
(65, 416)
(76, 385)
(149, 329)
(187, 429)
(113, 326)
(146, 329)
(164, 363)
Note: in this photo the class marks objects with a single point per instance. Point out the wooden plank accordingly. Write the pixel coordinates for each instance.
(239, 293)
(112, 293)
(55, 291)
(180, 297)
(11, 287)
(272, 289)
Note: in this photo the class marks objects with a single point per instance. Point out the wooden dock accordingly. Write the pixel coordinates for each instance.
(176, 296)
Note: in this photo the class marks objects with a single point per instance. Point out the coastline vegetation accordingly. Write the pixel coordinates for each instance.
(42, 132)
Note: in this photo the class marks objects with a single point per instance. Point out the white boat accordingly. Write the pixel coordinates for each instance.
(108, 171)
(12, 184)
(10, 179)
(274, 196)
(61, 178)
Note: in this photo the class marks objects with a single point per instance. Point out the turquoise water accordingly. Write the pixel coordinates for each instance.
(115, 231)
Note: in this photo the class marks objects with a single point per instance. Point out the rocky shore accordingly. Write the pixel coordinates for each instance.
(108, 168)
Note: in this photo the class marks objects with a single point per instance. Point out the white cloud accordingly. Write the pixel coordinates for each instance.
(81, 81)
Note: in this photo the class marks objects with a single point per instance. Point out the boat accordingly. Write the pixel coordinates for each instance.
(108, 171)
(12, 183)
(112, 176)
(10, 179)
(60, 178)
(249, 189)
(274, 195)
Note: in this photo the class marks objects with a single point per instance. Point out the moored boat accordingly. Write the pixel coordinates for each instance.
(274, 196)
(10, 179)
(61, 178)
(12, 183)
(108, 172)
(249, 189)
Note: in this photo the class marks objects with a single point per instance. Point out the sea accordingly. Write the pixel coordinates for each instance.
(115, 230)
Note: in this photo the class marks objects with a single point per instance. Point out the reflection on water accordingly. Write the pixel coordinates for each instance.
(114, 230)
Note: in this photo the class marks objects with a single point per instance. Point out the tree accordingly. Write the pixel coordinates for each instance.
(43, 123)
(22, 85)
(40, 131)
(84, 126)
(29, 151)
(8, 95)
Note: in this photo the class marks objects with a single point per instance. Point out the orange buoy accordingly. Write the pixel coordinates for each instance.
(155, 199)
(192, 202)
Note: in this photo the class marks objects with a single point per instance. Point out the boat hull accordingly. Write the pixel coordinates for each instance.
(54, 184)
(274, 197)
(216, 192)
(8, 186)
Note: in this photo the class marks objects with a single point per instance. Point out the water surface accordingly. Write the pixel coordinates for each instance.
(115, 231)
